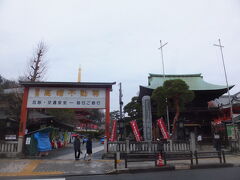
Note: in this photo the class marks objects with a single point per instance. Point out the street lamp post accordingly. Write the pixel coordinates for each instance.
(161, 48)
(229, 97)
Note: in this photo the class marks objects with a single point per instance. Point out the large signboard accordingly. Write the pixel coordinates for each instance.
(66, 97)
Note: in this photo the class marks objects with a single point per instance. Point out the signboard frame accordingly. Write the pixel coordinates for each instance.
(63, 85)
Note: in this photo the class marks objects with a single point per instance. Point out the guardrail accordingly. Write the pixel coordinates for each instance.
(144, 146)
(212, 154)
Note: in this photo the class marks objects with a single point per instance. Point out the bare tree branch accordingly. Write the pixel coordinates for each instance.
(37, 65)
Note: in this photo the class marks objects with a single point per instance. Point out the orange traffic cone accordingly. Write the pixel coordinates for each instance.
(160, 161)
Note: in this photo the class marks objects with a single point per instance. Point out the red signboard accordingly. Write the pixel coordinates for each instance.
(163, 128)
(136, 131)
(114, 131)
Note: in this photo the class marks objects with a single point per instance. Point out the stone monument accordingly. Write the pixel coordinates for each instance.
(147, 118)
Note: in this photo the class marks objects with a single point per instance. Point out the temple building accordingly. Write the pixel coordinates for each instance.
(198, 115)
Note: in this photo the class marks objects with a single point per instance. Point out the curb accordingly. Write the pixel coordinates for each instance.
(141, 170)
(170, 168)
(208, 166)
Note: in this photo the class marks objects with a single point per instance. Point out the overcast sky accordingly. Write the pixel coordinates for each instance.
(118, 40)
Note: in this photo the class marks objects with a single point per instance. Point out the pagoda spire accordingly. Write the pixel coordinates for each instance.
(79, 74)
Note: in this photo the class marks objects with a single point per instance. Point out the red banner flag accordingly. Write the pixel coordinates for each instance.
(136, 131)
(163, 128)
(114, 131)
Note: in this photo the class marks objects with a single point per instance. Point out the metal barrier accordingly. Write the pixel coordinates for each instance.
(212, 154)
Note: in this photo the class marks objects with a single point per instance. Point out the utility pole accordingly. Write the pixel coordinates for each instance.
(121, 104)
(229, 97)
(161, 48)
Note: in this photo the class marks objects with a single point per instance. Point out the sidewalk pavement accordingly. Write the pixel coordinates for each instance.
(28, 167)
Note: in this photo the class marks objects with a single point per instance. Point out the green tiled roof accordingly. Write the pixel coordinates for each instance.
(194, 81)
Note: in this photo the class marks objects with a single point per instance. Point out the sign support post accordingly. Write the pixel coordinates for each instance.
(23, 120)
(107, 113)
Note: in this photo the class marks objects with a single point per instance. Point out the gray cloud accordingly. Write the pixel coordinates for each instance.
(118, 40)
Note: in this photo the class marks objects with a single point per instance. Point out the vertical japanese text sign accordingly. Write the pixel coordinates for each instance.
(114, 131)
(136, 130)
(163, 128)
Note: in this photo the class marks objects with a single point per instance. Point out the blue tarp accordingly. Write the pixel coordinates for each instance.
(43, 141)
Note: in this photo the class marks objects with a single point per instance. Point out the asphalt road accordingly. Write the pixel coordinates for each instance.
(198, 174)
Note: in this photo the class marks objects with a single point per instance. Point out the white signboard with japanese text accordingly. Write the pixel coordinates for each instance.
(66, 97)
(28, 140)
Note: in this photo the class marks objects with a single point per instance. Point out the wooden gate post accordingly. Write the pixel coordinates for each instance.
(107, 121)
(23, 120)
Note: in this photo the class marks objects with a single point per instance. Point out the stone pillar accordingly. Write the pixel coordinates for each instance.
(147, 118)
(171, 145)
(127, 146)
(192, 142)
(20, 144)
(150, 146)
(118, 156)
(105, 145)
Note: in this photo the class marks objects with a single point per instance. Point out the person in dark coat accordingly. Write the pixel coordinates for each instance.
(77, 147)
(89, 148)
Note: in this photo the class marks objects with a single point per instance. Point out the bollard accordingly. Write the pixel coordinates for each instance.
(115, 160)
(224, 159)
(118, 157)
(105, 145)
(171, 145)
(192, 142)
(127, 146)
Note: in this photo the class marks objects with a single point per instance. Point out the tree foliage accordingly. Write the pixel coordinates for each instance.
(134, 112)
(96, 115)
(115, 115)
(133, 108)
(177, 94)
(12, 100)
(6, 83)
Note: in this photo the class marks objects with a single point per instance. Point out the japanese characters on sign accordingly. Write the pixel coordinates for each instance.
(135, 130)
(163, 128)
(114, 131)
(66, 98)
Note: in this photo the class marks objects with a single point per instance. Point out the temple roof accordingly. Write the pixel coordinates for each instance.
(68, 84)
(204, 91)
(194, 81)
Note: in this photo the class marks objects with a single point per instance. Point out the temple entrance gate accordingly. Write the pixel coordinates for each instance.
(64, 95)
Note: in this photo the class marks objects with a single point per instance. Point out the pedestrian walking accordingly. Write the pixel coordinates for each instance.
(77, 147)
(89, 149)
